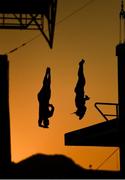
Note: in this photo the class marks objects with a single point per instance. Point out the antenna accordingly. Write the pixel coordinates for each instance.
(122, 23)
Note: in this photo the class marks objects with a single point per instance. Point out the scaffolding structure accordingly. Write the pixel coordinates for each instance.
(29, 15)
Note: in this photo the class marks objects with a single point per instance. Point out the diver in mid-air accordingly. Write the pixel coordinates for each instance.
(46, 109)
(80, 98)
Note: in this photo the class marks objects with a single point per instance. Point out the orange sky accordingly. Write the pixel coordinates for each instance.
(91, 34)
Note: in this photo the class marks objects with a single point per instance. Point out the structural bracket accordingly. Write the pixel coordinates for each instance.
(40, 16)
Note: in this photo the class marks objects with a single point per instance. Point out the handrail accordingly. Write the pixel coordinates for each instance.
(105, 115)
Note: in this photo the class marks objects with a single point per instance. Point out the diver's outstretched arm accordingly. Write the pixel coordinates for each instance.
(81, 77)
(47, 76)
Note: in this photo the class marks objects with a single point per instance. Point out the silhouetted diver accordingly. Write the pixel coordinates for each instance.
(80, 98)
(46, 110)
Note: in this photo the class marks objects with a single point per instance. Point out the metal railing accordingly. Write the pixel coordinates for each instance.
(116, 115)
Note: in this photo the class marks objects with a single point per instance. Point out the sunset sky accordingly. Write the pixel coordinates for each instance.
(92, 34)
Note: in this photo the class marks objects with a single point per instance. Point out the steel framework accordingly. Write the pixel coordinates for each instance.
(29, 15)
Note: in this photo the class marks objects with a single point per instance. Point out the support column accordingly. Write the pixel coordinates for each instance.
(5, 145)
(120, 53)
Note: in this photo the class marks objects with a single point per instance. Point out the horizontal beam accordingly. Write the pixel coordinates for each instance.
(24, 6)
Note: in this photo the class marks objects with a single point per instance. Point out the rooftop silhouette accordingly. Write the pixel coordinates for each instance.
(52, 167)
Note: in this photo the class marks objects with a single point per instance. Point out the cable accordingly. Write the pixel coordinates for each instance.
(107, 158)
(75, 12)
(59, 22)
(24, 44)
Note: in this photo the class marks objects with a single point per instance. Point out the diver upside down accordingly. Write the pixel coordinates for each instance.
(46, 109)
(80, 98)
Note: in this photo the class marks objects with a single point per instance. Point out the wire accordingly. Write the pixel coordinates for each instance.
(59, 22)
(75, 12)
(107, 158)
(24, 44)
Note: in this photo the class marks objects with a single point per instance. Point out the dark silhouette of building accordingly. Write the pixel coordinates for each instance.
(120, 52)
(5, 144)
(46, 109)
(42, 166)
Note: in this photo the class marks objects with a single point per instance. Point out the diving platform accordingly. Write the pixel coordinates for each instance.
(102, 134)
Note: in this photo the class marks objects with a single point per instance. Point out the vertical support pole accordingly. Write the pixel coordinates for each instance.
(52, 21)
(5, 146)
(120, 53)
